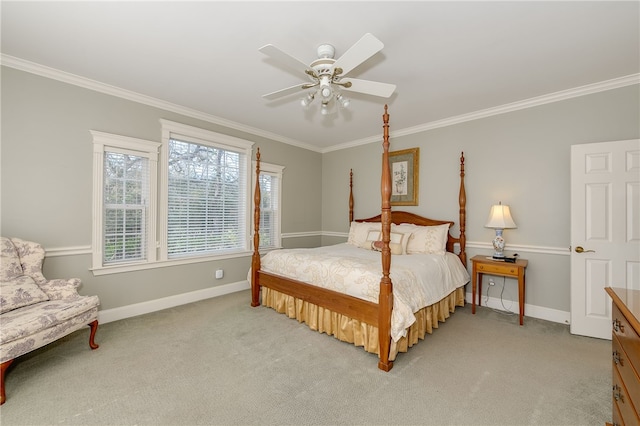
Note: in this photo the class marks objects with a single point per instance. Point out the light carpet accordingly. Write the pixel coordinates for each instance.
(219, 361)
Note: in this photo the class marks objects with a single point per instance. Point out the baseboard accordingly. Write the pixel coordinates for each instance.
(142, 308)
(531, 311)
(136, 309)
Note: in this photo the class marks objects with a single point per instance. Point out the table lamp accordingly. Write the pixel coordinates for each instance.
(499, 219)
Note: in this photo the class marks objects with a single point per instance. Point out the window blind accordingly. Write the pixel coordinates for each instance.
(269, 209)
(206, 199)
(126, 189)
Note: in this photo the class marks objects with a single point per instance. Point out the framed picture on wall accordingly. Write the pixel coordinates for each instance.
(404, 167)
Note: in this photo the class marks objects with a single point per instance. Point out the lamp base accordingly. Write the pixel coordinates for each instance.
(498, 245)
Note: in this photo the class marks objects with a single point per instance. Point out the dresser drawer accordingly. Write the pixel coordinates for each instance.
(626, 371)
(617, 417)
(627, 337)
(498, 269)
(622, 401)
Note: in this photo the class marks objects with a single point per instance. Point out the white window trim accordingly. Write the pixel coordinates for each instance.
(206, 137)
(157, 153)
(108, 142)
(279, 171)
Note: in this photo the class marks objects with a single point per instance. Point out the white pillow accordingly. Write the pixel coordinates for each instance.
(429, 240)
(405, 228)
(358, 232)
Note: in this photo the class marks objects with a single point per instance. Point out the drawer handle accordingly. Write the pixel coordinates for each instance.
(617, 326)
(617, 394)
(616, 358)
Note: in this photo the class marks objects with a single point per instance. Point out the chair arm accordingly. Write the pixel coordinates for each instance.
(60, 288)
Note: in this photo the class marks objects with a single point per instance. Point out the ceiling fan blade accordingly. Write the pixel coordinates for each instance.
(284, 58)
(369, 87)
(284, 92)
(364, 48)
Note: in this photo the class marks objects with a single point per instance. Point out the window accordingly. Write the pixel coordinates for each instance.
(124, 201)
(126, 194)
(206, 192)
(185, 199)
(206, 208)
(270, 190)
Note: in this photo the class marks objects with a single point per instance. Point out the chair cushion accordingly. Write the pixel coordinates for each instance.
(28, 320)
(18, 292)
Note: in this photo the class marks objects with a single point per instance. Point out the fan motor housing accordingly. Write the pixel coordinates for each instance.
(323, 66)
(326, 51)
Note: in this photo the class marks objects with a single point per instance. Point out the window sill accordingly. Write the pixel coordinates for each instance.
(131, 267)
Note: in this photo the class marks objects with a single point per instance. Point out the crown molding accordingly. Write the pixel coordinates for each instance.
(76, 80)
(588, 89)
(54, 74)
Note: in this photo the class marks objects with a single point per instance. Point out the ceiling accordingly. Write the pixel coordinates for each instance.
(448, 59)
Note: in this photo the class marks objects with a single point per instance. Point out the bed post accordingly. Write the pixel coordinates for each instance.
(350, 197)
(385, 303)
(462, 199)
(255, 260)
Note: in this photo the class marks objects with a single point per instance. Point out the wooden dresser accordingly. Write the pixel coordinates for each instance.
(625, 342)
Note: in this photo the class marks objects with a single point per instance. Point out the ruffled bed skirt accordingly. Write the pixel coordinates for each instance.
(353, 331)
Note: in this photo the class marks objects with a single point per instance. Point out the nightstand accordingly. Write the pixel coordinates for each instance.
(486, 265)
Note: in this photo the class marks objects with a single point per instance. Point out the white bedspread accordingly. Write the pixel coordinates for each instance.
(419, 280)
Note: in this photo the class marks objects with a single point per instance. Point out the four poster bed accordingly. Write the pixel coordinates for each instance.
(351, 298)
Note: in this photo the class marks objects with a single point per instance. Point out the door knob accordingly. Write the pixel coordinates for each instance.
(581, 250)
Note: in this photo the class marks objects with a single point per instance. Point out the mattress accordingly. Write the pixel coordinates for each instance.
(419, 280)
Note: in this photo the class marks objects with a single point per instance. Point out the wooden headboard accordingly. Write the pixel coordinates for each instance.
(399, 216)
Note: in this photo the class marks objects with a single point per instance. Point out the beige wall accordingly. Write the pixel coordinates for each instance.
(520, 158)
(46, 178)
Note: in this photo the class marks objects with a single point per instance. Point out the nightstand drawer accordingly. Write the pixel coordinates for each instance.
(497, 269)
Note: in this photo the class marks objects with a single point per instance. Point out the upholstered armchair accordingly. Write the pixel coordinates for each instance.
(35, 311)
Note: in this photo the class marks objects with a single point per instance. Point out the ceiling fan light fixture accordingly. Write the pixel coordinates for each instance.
(344, 102)
(326, 92)
(326, 74)
(306, 101)
(325, 88)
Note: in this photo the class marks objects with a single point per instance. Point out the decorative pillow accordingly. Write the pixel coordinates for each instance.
(372, 237)
(429, 240)
(20, 291)
(397, 243)
(358, 232)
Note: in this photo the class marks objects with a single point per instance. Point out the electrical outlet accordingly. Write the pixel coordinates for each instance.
(491, 282)
(219, 274)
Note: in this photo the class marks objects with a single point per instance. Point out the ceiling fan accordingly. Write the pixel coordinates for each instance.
(329, 76)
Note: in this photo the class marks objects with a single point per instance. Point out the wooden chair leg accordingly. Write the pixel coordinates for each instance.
(3, 369)
(6, 364)
(92, 336)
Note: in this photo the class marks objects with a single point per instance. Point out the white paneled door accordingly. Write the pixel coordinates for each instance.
(605, 230)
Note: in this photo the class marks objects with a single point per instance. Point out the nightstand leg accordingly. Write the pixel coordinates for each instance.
(474, 281)
(521, 288)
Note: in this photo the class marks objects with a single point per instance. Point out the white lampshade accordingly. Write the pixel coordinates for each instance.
(500, 218)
